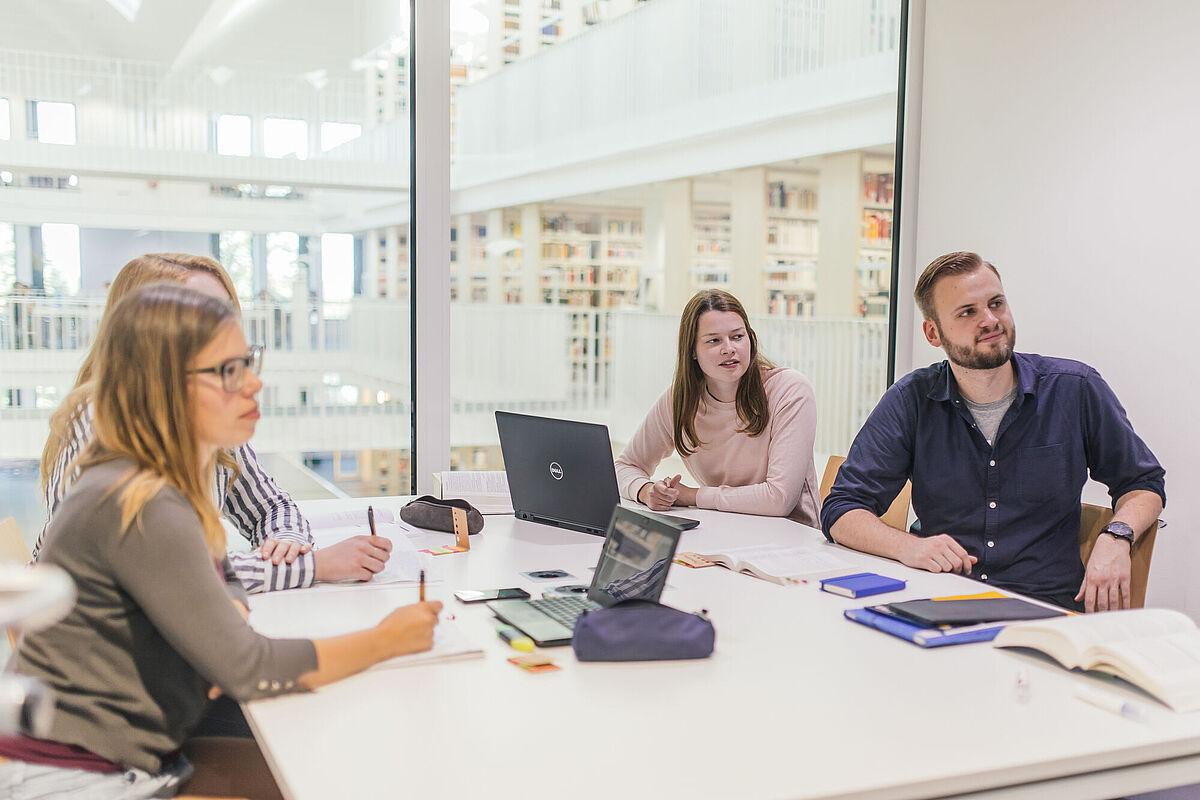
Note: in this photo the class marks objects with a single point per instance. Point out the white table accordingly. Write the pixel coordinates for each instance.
(796, 702)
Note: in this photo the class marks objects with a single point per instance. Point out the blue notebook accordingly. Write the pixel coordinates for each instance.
(862, 584)
(923, 637)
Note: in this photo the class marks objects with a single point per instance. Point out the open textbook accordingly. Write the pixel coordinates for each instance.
(779, 563)
(486, 490)
(1157, 650)
(405, 563)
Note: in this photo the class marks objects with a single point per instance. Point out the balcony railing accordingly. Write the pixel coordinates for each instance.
(337, 375)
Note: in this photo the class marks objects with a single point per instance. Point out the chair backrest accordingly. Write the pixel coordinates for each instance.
(13, 548)
(1092, 520)
(12, 544)
(897, 514)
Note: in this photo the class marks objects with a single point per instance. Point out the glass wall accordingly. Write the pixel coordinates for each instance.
(278, 145)
(611, 158)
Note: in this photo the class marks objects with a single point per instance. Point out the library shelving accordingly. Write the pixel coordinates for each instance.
(875, 242)
(792, 248)
(711, 243)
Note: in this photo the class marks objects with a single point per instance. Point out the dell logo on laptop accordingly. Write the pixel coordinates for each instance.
(556, 471)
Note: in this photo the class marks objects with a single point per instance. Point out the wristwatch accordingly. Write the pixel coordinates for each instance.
(1120, 530)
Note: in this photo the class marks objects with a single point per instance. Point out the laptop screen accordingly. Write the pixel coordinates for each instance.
(635, 560)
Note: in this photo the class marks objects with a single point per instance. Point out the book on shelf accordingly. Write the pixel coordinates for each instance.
(487, 490)
(776, 563)
(1155, 649)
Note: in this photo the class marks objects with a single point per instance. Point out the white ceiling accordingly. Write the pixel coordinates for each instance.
(275, 35)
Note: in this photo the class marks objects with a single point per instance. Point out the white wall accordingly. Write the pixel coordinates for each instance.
(102, 252)
(1056, 139)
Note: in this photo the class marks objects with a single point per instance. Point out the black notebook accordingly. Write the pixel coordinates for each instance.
(937, 613)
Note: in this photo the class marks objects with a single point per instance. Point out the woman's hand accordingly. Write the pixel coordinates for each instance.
(409, 629)
(660, 495)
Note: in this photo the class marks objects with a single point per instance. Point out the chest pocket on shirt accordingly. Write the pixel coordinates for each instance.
(1041, 475)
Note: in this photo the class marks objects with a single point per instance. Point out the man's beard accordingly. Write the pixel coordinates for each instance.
(972, 358)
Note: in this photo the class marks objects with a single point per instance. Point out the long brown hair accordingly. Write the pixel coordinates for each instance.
(141, 271)
(140, 399)
(688, 387)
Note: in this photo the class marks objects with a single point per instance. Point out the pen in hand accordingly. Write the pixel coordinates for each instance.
(371, 519)
(421, 598)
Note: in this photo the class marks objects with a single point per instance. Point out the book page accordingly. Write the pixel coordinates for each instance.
(782, 562)
(1166, 666)
(487, 490)
(1082, 638)
(405, 563)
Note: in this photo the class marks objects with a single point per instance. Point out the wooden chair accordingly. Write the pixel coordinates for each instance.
(897, 514)
(13, 549)
(1092, 520)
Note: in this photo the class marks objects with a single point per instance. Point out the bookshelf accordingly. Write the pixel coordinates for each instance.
(792, 248)
(875, 241)
(590, 259)
(711, 234)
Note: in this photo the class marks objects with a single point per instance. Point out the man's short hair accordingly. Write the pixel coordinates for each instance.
(959, 263)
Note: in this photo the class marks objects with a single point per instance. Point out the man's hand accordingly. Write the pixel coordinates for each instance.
(939, 553)
(660, 495)
(282, 550)
(1105, 584)
(357, 558)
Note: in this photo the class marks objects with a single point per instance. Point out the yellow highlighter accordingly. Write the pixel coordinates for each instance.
(516, 640)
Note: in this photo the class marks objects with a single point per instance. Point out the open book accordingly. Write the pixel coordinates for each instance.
(1157, 650)
(487, 490)
(778, 563)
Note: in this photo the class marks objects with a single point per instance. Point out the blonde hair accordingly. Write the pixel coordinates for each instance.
(139, 272)
(141, 404)
(689, 386)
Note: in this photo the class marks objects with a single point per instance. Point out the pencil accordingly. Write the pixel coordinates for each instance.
(371, 519)
(422, 596)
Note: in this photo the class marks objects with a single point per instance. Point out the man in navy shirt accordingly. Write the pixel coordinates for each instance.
(998, 446)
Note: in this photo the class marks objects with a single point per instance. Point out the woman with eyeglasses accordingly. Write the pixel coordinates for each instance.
(159, 625)
(743, 427)
(264, 514)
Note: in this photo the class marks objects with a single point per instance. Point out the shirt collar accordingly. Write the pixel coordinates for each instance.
(944, 388)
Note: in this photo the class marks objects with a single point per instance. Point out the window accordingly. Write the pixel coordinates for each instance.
(237, 256)
(5, 120)
(8, 258)
(338, 133)
(283, 251)
(285, 138)
(337, 267)
(54, 123)
(234, 135)
(60, 259)
(586, 275)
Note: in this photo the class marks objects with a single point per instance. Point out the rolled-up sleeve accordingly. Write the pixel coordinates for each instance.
(1116, 455)
(879, 462)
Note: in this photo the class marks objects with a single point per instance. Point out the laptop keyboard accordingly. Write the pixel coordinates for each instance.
(563, 610)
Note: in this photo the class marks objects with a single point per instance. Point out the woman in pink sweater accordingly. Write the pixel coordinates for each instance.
(743, 426)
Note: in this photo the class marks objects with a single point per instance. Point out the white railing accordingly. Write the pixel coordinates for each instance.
(523, 358)
(671, 69)
(846, 361)
(136, 117)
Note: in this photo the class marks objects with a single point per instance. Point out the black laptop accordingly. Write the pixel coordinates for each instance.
(560, 472)
(633, 564)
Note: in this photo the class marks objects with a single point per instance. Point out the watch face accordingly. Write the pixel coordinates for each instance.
(1121, 530)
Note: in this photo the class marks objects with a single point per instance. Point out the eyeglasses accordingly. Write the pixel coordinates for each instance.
(232, 372)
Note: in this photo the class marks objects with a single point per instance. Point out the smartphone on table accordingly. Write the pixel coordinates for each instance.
(479, 596)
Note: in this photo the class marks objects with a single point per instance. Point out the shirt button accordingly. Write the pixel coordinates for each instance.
(992, 504)
(983, 577)
(275, 685)
(289, 684)
(991, 463)
(262, 686)
(991, 544)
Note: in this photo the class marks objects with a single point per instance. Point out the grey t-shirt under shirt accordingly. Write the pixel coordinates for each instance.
(988, 415)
